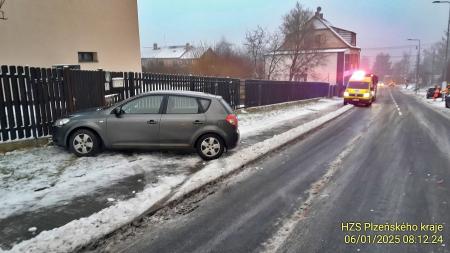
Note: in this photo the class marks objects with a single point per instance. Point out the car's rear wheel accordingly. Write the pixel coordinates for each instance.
(210, 146)
(84, 142)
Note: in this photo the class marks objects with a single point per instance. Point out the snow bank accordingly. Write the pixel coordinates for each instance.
(40, 177)
(222, 167)
(251, 123)
(80, 232)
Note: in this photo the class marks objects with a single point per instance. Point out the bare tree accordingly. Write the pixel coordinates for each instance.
(382, 65)
(224, 48)
(255, 43)
(301, 42)
(272, 59)
(401, 70)
(365, 63)
(224, 60)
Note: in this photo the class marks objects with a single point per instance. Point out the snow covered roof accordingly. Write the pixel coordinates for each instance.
(172, 52)
(193, 53)
(343, 34)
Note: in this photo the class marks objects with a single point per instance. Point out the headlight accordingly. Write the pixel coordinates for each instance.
(346, 94)
(61, 122)
(366, 95)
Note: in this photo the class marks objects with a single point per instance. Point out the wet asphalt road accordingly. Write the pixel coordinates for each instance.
(384, 164)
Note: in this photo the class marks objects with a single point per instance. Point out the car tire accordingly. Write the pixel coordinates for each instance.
(84, 142)
(210, 147)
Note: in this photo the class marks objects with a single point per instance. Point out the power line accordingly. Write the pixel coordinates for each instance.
(389, 47)
(393, 47)
(391, 56)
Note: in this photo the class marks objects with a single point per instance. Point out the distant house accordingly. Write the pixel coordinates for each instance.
(90, 33)
(170, 58)
(340, 53)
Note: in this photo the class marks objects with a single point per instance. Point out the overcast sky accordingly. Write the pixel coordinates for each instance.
(378, 23)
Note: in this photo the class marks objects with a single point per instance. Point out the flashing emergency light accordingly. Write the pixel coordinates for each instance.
(358, 75)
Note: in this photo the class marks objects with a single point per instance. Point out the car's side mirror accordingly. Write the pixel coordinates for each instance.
(118, 111)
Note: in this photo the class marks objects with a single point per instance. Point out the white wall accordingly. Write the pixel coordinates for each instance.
(323, 73)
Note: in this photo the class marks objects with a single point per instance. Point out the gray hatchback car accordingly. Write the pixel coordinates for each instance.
(154, 120)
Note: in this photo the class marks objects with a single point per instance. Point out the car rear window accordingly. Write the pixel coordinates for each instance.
(182, 105)
(205, 103)
(226, 106)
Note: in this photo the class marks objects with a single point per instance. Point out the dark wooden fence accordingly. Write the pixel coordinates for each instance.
(265, 92)
(31, 99)
(137, 83)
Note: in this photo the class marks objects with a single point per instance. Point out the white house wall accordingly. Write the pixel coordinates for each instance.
(323, 73)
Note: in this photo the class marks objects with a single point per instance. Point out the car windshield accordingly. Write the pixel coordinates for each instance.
(358, 85)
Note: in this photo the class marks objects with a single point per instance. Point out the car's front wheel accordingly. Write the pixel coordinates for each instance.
(210, 146)
(84, 142)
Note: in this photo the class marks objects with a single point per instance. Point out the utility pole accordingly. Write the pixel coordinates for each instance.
(432, 68)
(444, 77)
(418, 64)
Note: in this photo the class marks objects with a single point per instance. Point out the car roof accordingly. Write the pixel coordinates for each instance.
(180, 92)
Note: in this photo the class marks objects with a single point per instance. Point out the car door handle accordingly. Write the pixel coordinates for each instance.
(152, 122)
(198, 122)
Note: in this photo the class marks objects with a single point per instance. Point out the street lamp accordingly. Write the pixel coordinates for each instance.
(446, 48)
(417, 66)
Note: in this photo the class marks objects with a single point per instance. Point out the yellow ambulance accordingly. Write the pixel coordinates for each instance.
(361, 89)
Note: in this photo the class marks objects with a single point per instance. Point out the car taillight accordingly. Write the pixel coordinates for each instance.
(232, 119)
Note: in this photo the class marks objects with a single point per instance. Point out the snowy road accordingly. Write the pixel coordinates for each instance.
(47, 187)
(388, 163)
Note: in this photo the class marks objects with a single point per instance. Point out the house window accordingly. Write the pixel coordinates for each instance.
(87, 57)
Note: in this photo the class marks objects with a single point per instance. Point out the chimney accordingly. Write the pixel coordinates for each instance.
(188, 46)
(318, 14)
(155, 46)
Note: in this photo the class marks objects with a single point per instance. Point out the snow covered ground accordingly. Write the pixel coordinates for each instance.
(437, 104)
(251, 123)
(40, 177)
(44, 177)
